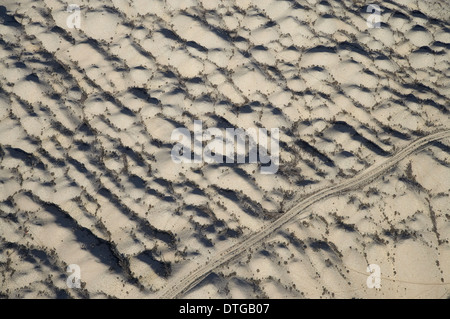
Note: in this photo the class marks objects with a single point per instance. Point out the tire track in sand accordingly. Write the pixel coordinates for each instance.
(184, 282)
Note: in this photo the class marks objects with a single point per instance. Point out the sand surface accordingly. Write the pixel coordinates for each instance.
(87, 178)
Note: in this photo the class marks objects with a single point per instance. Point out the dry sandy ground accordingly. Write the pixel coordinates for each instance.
(86, 175)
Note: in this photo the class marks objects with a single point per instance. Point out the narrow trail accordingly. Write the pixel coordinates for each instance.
(184, 282)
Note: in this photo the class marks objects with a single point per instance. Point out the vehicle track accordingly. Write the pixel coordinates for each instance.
(182, 285)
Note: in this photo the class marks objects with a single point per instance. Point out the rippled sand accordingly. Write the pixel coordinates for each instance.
(87, 179)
